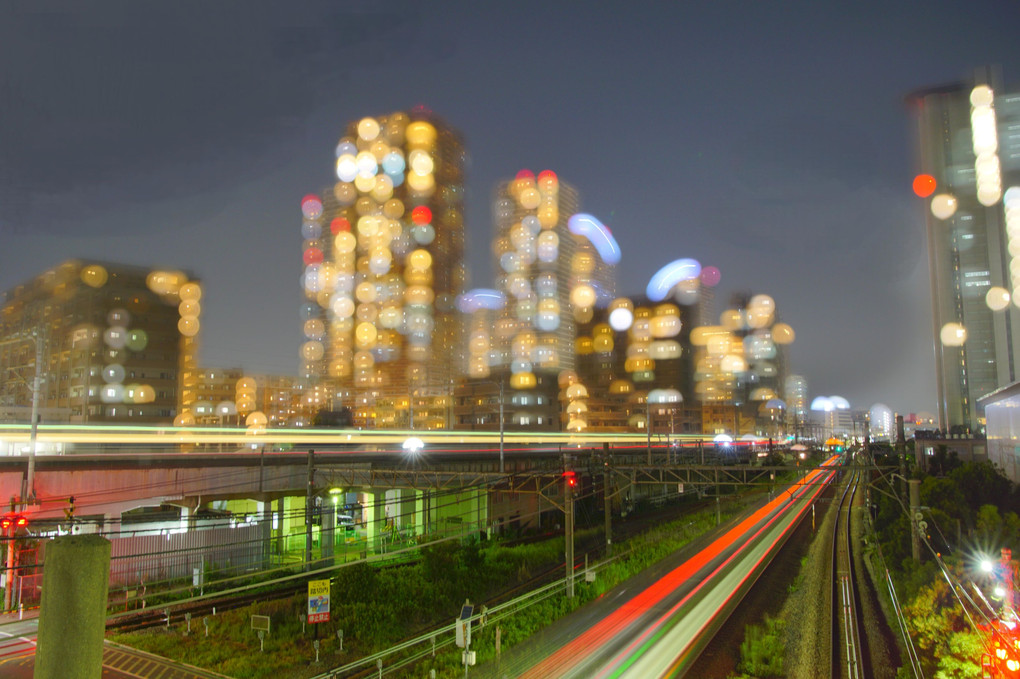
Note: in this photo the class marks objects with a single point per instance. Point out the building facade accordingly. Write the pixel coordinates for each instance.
(968, 138)
(110, 343)
(383, 252)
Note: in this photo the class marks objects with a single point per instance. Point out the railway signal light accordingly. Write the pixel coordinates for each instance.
(12, 522)
(571, 478)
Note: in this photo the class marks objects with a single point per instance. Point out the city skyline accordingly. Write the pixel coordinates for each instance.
(792, 179)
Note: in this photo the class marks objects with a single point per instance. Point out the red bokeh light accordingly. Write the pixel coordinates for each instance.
(339, 224)
(525, 174)
(545, 174)
(924, 185)
(313, 256)
(421, 215)
(310, 198)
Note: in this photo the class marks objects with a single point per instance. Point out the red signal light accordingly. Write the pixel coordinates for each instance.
(571, 478)
(5, 523)
(20, 521)
(924, 185)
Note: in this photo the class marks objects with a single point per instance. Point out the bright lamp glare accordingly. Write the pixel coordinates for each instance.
(413, 445)
(986, 566)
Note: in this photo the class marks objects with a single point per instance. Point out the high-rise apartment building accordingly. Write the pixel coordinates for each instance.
(969, 163)
(109, 343)
(384, 250)
(552, 278)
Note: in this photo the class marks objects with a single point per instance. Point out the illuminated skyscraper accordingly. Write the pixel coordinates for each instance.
(969, 159)
(552, 277)
(383, 255)
(109, 342)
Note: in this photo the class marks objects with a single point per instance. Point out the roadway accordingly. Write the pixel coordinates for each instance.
(18, 645)
(654, 625)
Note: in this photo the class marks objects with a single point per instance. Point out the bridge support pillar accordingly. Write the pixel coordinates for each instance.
(423, 511)
(266, 530)
(281, 526)
(327, 533)
(373, 514)
(408, 515)
(73, 613)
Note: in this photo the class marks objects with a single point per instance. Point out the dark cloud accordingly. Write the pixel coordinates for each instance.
(165, 100)
(770, 141)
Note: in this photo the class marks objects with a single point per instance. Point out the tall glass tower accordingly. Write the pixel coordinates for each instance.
(383, 252)
(969, 160)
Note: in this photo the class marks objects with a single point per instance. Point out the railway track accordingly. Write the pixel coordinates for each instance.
(158, 616)
(177, 613)
(849, 645)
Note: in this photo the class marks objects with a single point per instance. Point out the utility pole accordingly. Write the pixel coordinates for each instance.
(569, 507)
(569, 479)
(309, 508)
(608, 506)
(648, 426)
(916, 523)
(28, 491)
(502, 467)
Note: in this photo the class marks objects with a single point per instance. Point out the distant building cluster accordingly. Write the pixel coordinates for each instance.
(393, 339)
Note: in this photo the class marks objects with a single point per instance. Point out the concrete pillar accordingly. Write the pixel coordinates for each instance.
(408, 513)
(373, 516)
(72, 618)
(111, 524)
(266, 530)
(281, 528)
(327, 534)
(419, 510)
(392, 504)
(187, 518)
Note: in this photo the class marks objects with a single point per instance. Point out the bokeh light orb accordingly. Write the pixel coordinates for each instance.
(184, 419)
(420, 134)
(137, 339)
(115, 337)
(393, 163)
(943, 206)
(582, 296)
(311, 206)
(421, 162)
(368, 129)
(312, 350)
(997, 298)
(112, 393)
(530, 198)
(423, 234)
(989, 195)
(782, 333)
(346, 171)
(113, 373)
(981, 96)
(953, 334)
(924, 185)
(621, 318)
(710, 276)
(95, 276)
(190, 292)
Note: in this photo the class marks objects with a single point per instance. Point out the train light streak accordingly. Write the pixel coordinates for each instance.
(558, 663)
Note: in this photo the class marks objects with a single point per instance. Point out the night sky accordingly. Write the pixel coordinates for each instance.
(769, 139)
